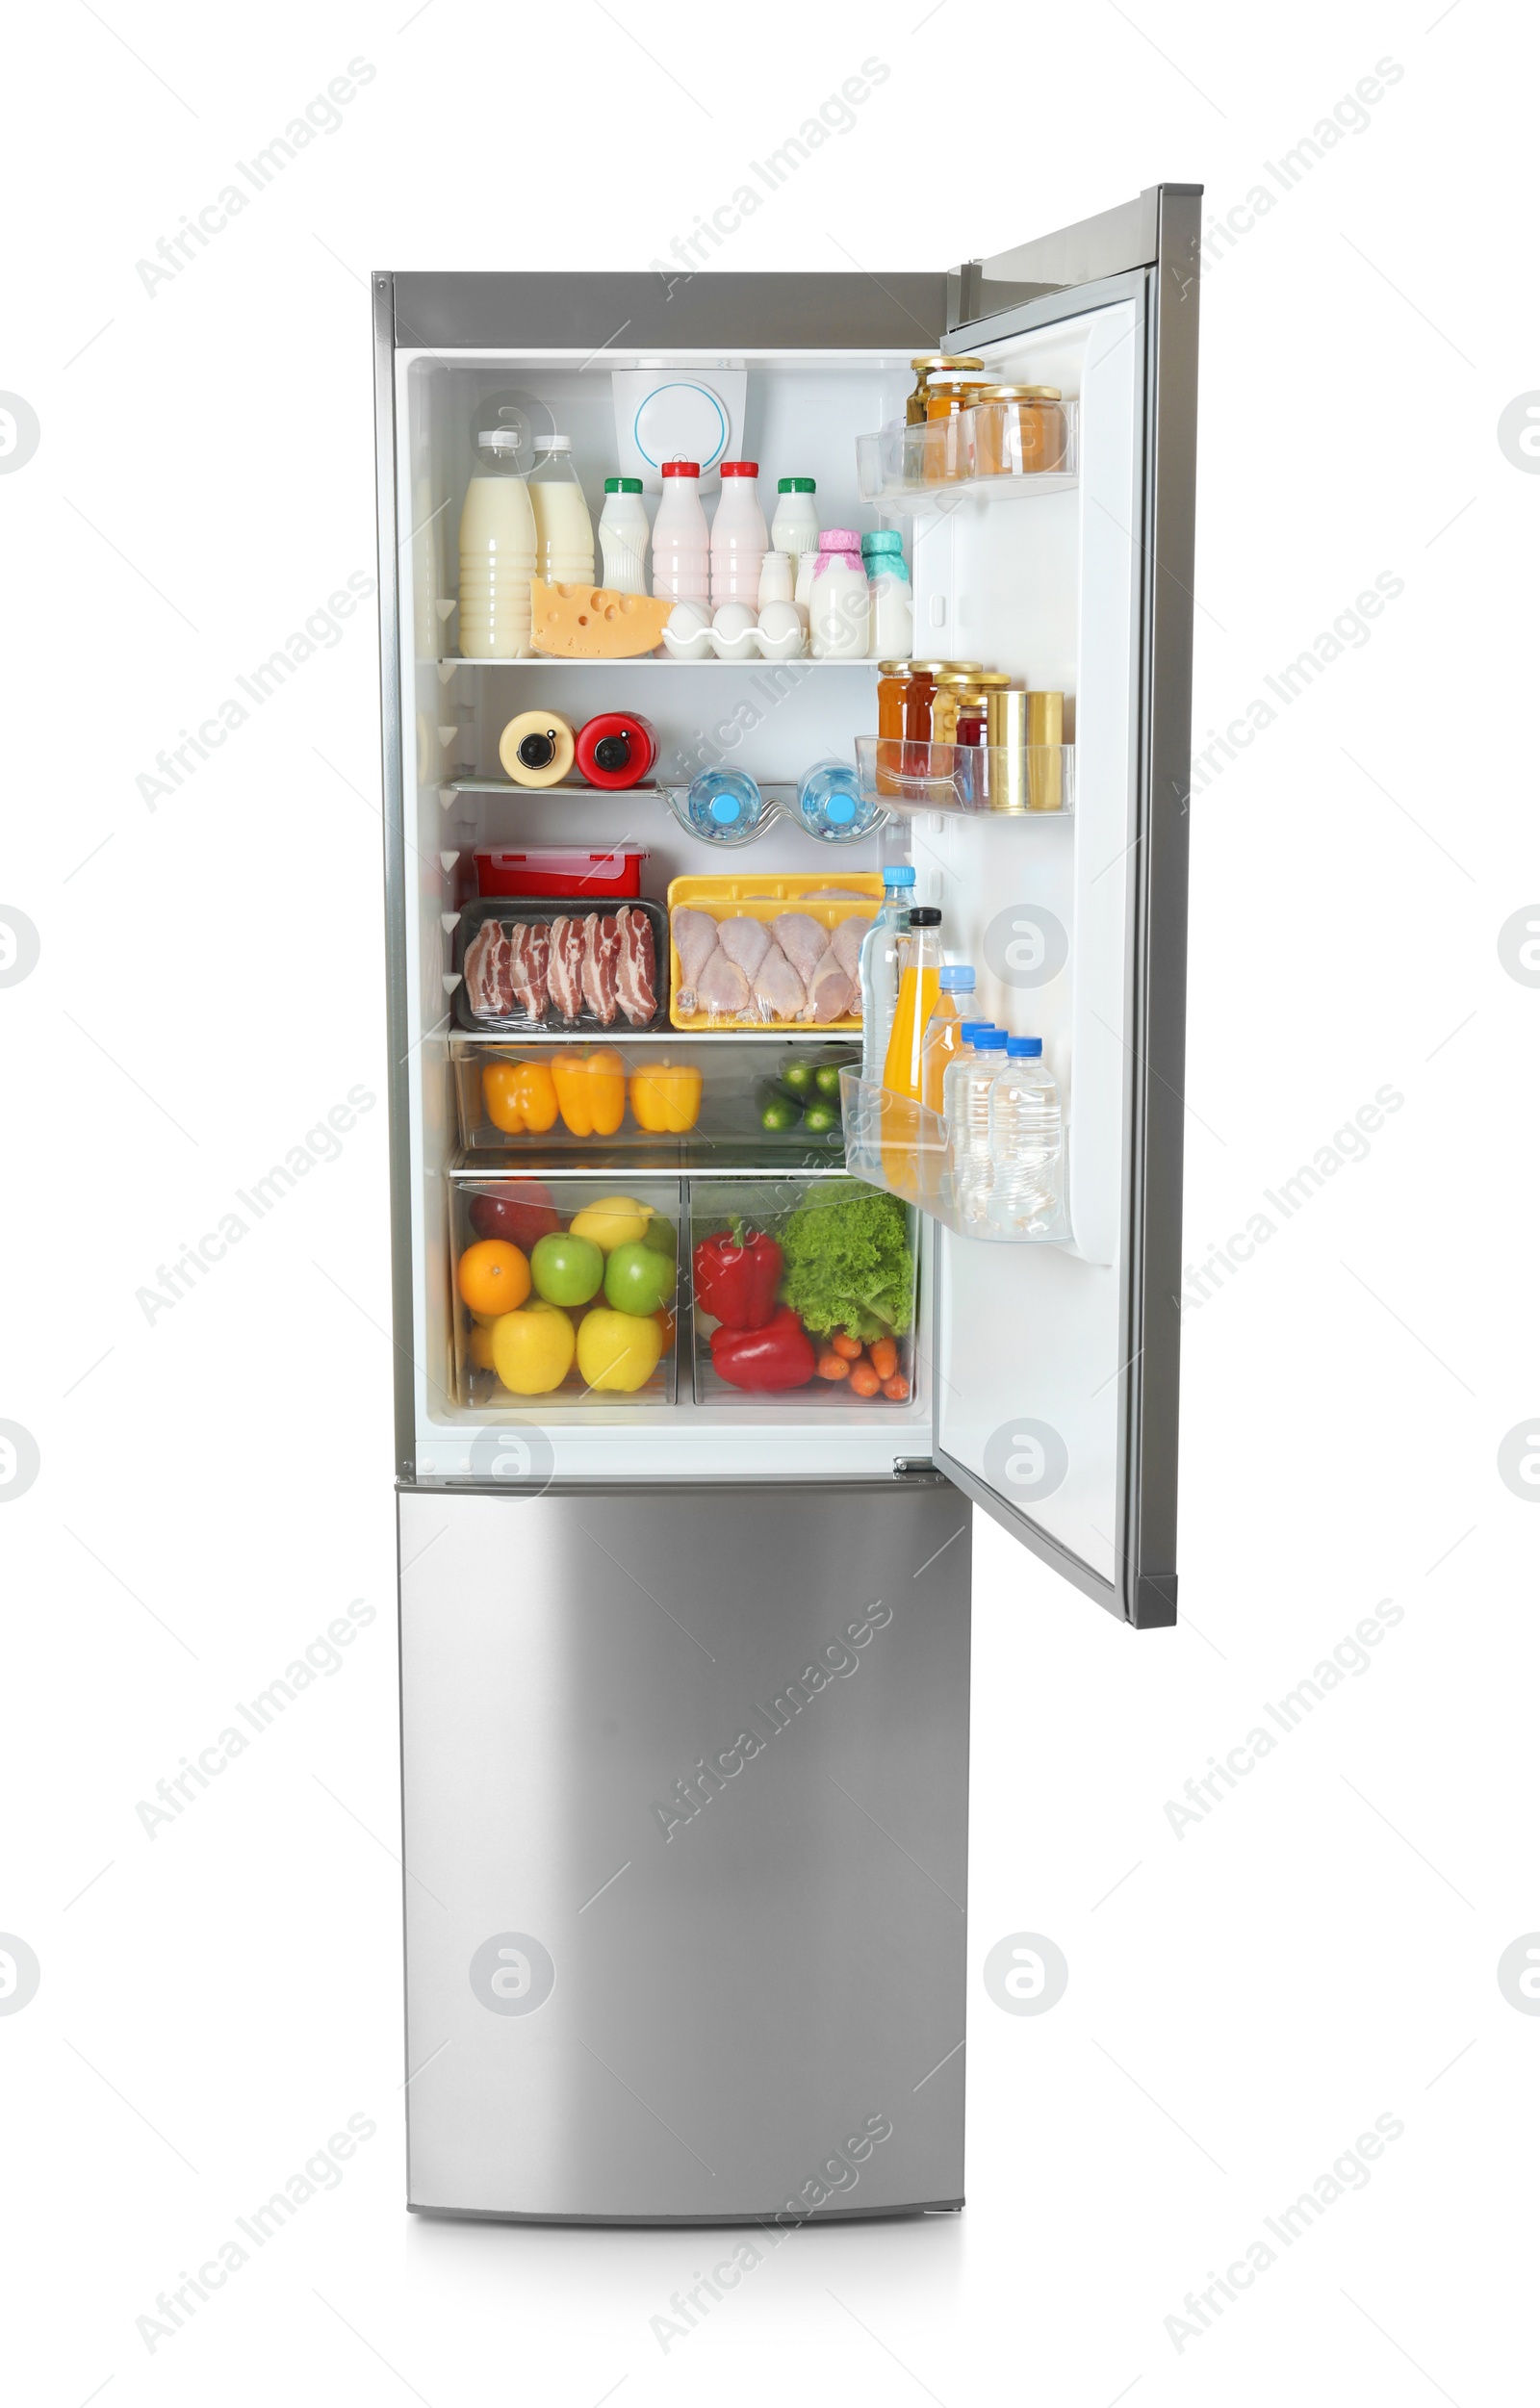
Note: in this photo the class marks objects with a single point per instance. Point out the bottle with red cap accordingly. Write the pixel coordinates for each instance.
(616, 749)
(681, 543)
(740, 536)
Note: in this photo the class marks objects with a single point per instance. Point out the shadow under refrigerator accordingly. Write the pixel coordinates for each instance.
(685, 1664)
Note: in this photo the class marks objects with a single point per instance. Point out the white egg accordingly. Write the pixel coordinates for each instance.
(779, 631)
(734, 633)
(687, 635)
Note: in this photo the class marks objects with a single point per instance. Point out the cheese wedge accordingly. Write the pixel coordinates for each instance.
(593, 622)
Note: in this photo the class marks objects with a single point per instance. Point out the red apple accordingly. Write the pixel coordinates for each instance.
(521, 1211)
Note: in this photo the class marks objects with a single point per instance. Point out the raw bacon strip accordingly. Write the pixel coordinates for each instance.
(488, 969)
(566, 967)
(635, 971)
(601, 966)
(531, 956)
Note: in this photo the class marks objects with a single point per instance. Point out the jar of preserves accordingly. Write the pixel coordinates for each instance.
(946, 396)
(906, 690)
(1017, 430)
(931, 363)
(953, 689)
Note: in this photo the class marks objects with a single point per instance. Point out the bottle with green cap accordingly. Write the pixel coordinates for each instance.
(794, 529)
(623, 535)
(881, 556)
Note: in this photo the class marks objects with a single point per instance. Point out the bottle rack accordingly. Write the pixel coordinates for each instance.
(981, 451)
(1030, 782)
(894, 1142)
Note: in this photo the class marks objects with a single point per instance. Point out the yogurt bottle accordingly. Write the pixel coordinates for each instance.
(839, 604)
(794, 529)
(623, 535)
(892, 602)
(564, 531)
(681, 543)
(739, 537)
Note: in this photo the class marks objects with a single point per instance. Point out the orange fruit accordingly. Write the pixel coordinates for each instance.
(493, 1277)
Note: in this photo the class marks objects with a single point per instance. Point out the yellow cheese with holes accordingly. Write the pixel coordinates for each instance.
(593, 622)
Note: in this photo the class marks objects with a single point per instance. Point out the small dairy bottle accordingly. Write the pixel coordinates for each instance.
(681, 541)
(839, 604)
(564, 531)
(794, 529)
(1026, 1143)
(965, 1104)
(497, 553)
(623, 535)
(739, 537)
(892, 600)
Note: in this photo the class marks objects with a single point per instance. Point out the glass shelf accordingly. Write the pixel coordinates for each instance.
(894, 1143)
(1031, 781)
(994, 449)
(640, 660)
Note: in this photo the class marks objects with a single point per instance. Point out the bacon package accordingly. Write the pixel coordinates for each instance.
(560, 964)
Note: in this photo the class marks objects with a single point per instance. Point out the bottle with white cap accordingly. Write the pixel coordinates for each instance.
(496, 551)
(564, 531)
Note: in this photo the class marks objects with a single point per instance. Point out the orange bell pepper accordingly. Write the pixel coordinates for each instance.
(666, 1097)
(591, 1092)
(520, 1096)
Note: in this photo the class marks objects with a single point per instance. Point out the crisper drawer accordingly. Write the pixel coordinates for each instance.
(804, 1295)
(707, 1099)
(565, 1297)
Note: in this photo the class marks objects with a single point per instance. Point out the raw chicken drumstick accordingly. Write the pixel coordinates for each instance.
(695, 942)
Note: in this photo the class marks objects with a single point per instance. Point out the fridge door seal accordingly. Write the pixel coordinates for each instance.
(1149, 248)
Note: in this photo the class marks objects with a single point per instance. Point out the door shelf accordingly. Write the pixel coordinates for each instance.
(985, 451)
(894, 1143)
(1035, 781)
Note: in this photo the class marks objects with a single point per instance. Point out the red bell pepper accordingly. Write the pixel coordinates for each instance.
(736, 1276)
(780, 1355)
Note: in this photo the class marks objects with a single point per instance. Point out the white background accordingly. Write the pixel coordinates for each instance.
(1321, 1949)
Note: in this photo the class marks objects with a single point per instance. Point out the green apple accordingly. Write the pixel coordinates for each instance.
(566, 1269)
(638, 1279)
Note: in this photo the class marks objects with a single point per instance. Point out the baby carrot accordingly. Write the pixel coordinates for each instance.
(832, 1366)
(897, 1387)
(847, 1346)
(863, 1380)
(885, 1357)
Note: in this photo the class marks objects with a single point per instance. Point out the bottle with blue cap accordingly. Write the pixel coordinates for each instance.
(966, 1104)
(831, 806)
(1026, 1144)
(726, 806)
(943, 1031)
(879, 969)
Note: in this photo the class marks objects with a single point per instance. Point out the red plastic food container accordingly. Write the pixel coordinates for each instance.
(617, 749)
(561, 873)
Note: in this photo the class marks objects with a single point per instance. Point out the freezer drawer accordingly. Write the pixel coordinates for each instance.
(685, 1781)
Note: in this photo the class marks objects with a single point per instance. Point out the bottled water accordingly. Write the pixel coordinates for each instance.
(1026, 1143)
(830, 803)
(879, 970)
(726, 806)
(966, 1103)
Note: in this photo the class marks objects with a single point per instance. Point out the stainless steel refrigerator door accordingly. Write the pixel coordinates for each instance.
(685, 1807)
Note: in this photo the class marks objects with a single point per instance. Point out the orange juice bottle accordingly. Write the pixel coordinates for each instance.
(942, 1040)
(919, 982)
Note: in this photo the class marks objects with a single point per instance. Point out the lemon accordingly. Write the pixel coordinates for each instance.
(614, 1220)
(532, 1350)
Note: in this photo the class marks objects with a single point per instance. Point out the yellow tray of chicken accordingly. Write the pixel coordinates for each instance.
(768, 952)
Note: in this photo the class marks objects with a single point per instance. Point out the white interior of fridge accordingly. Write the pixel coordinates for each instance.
(1042, 584)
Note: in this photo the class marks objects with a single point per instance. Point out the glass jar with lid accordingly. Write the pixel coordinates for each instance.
(955, 689)
(946, 396)
(1017, 430)
(931, 363)
(905, 692)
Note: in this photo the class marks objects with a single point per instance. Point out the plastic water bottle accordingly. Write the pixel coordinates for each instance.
(726, 806)
(879, 970)
(943, 1031)
(965, 1102)
(830, 803)
(1026, 1143)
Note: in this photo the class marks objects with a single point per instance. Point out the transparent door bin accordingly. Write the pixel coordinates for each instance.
(619, 1347)
(826, 1278)
(1027, 782)
(661, 1102)
(897, 1145)
(998, 448)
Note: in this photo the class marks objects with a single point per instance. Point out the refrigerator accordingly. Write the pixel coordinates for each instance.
(684, 1666)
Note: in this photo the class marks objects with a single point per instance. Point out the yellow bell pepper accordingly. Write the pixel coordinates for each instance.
(518, 1096)
(591, 1092)
(666, 1097)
